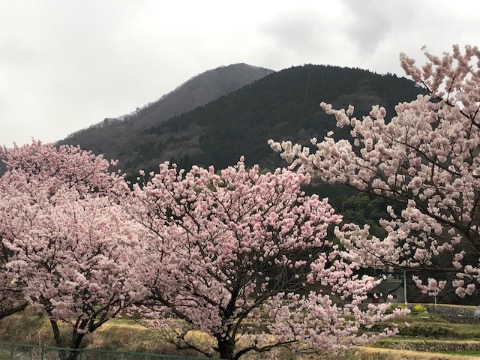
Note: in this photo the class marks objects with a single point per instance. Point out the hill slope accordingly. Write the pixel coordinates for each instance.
(282, 105)
(118, 137)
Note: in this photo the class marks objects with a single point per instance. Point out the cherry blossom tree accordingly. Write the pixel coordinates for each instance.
(66, 165)
(247, 258)
(74, 262)
(426, 158)
(67, 242)
(11, 296)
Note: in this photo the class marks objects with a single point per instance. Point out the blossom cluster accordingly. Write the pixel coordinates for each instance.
(227, 251)
(425, 158)
(67, 243)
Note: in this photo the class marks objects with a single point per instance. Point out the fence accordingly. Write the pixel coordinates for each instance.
(41, 352)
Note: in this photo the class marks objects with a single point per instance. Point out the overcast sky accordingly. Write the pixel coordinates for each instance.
(67, 64)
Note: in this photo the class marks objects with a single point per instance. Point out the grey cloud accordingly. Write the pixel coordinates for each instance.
(371, 22)
(301, 33)
(65, 64)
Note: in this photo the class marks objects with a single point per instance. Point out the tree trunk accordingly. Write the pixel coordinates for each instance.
(56, 333)
(62, 354)
(226, 347)
(72, 352)
(76, 340)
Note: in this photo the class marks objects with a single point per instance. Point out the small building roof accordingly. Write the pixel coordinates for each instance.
(386, 287)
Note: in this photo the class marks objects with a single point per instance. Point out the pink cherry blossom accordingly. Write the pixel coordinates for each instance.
(426, 158)
(230, 250)
(67, 243)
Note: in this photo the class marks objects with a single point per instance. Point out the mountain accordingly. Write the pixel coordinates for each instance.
(119, 137)
(281, 105)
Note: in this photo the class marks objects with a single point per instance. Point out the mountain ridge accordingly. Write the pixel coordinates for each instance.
(104, 137)
(280, 105)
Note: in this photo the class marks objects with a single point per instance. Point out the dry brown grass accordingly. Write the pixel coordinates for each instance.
(367, 353)
(124, 335)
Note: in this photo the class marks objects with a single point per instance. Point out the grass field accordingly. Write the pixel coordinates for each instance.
(427, 336)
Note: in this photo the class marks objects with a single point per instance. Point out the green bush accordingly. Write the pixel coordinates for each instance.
(418, 308)
(426, 330)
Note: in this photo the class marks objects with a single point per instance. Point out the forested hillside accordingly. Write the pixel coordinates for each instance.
(122, 137)
(281, 105)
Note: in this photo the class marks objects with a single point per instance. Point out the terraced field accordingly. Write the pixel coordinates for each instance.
(449, 332)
